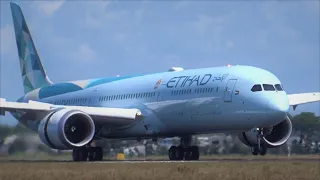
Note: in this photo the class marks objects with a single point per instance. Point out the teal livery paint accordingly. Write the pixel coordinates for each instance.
(111, 79)
(32, 72)
(67, 87)
(57, 89)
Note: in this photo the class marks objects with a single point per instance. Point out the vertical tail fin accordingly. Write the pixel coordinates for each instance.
(32, 71)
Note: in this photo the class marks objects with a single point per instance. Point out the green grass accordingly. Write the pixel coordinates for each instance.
(277, 170)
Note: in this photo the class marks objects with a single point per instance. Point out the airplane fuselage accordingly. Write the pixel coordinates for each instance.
(196, 101)
(177, 103)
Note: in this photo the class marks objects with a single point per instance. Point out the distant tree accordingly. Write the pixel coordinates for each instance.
(5, 131)
(309, 127)
(20, 128)
(306, 122)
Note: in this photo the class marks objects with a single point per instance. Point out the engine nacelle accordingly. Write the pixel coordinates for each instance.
(273, 137)
(66, 129)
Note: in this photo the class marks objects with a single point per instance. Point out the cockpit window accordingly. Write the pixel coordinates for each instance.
(268, 87)
(256, 87)
(278, 87)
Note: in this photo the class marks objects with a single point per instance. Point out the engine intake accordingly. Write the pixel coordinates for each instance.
(66, 129)
(273, 137)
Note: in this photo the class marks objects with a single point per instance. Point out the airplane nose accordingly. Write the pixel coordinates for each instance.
(278, 108)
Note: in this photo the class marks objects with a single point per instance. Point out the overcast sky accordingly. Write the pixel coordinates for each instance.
(80, 40)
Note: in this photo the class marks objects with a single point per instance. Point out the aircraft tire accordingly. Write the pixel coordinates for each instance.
(254, 150)
(172, 153)
(195, 152)
(95, 154)
(80, 154)
(188, 154)
(191, 153)
(180, 153)
(263, 151)
(176, 153)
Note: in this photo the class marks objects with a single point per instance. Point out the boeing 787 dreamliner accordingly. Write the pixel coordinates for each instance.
(176, 103)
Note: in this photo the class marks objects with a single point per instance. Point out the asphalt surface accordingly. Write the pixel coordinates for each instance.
(166, 161)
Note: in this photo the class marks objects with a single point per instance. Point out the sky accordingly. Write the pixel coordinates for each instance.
(81, 40)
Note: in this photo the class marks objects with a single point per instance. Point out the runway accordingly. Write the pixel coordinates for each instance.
(222, 168)
(167, 161)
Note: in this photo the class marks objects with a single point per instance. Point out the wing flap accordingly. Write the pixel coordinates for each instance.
(101, 114)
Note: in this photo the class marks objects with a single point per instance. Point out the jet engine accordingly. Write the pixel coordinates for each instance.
(274, 136)
(66, 129)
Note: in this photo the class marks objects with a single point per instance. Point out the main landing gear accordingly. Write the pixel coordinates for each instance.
(260, 148)
(184, 151)
(87, 153)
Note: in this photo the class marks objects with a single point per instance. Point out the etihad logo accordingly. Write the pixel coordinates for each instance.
(157, 84)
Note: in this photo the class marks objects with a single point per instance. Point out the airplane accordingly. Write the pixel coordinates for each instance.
(176, 103)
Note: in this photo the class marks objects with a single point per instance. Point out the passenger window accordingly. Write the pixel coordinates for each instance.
(268, 87)
(256, 87)
(278, 87)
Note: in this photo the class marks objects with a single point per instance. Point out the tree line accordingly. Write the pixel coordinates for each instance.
(306, 126)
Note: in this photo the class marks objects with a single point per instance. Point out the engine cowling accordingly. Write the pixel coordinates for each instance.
(273, 137)
(66, 129)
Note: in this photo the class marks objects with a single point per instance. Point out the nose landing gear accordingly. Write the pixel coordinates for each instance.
(260, 148)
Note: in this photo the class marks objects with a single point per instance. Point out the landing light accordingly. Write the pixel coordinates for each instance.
(229, 65)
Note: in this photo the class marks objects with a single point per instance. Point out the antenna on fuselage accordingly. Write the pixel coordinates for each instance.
(175, 69)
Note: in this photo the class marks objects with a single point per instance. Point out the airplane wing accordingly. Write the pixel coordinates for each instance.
(115, 116)
(303, 98)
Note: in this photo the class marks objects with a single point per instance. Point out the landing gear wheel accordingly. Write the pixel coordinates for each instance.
(80, 154)
(180, 153)
(188, 154)
(263, 150)
(192, 153)
(95, 154)
(195, 152)
(176, 153)
(172, 153)
(184, 151)
(255, 150)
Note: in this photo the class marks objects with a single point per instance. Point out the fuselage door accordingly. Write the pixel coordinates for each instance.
(229, 90)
